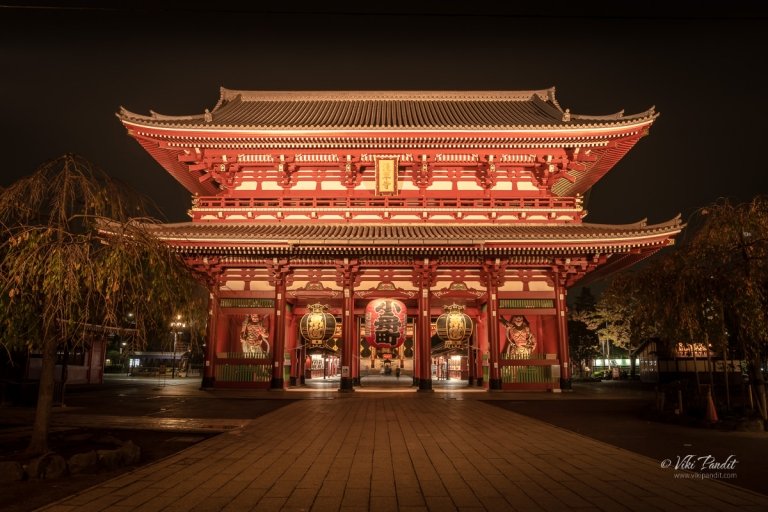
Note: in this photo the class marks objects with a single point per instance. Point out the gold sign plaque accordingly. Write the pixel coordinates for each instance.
(386, 176)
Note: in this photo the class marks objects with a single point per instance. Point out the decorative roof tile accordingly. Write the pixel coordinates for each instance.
(384, 110)
(418, 234)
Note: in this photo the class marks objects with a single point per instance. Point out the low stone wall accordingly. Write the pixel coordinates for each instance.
(52, 465)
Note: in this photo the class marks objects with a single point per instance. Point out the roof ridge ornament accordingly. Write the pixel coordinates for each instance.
(208, 116)
(567, 115)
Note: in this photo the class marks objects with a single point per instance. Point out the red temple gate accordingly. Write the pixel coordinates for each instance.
(425, 197)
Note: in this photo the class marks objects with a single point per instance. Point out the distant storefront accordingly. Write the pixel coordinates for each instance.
(683, 361)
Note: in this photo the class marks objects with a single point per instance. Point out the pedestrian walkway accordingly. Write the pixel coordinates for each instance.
(406, 451)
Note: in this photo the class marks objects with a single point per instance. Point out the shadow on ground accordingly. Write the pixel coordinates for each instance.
(625, 419)
(27, 495)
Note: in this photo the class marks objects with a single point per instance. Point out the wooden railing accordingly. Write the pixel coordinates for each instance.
(336, 202)
(532, 371)
(387, 208)
(242, 368)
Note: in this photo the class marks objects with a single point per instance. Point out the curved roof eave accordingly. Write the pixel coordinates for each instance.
(472, 117)
(636, 234)
(256, 131)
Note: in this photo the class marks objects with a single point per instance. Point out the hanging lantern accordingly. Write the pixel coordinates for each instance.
(317, 326)
(385, 321)
(454, 326)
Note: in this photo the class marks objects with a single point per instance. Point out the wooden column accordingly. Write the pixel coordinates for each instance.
(346, 274)
(348, 315)
(278, 350)
(424, 275)
(214, 313)
(293, 351)
(493, 335)
(471, 355)
(303, 364)
(494, 277)
(279, 271)
(562, 333)
(355, 351)
(481, 342)
(417, 356)
(425, 340)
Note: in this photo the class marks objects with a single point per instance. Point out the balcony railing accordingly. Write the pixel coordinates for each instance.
(335, 202)
(387, 208)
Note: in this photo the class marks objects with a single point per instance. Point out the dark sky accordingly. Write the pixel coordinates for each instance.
(65, 72)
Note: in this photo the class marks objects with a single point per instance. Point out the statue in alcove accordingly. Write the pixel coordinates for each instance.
(520, 339)
(254, 336)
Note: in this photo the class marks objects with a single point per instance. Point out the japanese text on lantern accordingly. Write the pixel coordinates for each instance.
(385, 321)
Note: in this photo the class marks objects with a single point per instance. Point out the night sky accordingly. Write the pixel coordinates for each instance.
(65, 72)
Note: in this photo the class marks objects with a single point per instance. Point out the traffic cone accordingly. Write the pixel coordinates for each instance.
(711, 411)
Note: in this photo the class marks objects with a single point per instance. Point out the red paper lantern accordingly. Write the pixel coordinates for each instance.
(385, 321)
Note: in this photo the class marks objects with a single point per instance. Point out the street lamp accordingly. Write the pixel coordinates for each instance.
(125, 351)
(176, 327)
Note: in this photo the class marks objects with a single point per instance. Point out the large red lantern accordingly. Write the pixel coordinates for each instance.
(385, 321)
(454, 326)
(317, 326)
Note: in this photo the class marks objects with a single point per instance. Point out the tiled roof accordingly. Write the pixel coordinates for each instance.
(417, 234)
(377, 110)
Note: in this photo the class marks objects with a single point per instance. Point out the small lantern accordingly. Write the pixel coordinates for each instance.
(454, 326)
(385, 322)
(317, 326)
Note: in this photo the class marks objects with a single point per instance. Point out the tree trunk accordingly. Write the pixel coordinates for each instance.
(727, 383)
(38, 444)
(759, 383)
(695, 368)
(64, 374)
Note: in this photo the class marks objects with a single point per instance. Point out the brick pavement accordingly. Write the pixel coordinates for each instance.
(405, 452)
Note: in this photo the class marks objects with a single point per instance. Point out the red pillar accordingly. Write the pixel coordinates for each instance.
(303, 364)
(348, 328)
(425, 340)
(354, 353)
(292, 347)
(209, 370)
(416, 349)
(470, 366)
(562, 331)
(279, 343)
(482, 347)
(493, 332)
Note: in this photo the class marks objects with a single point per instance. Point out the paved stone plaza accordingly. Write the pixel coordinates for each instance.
(405, 451)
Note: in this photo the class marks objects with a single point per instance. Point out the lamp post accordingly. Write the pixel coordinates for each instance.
(176, 327)
(125, 351)
(124, 358)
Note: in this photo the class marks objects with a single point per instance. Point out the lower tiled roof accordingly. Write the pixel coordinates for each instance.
(414, 234)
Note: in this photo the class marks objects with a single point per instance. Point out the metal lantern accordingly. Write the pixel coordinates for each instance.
(385, 321)
(317, 326)
(454, 326)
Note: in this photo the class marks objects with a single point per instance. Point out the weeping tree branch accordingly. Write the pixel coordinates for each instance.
(60, 272)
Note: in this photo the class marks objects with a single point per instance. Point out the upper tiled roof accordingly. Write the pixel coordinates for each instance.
(381, 110)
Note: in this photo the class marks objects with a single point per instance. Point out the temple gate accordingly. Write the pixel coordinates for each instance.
(383, 209)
